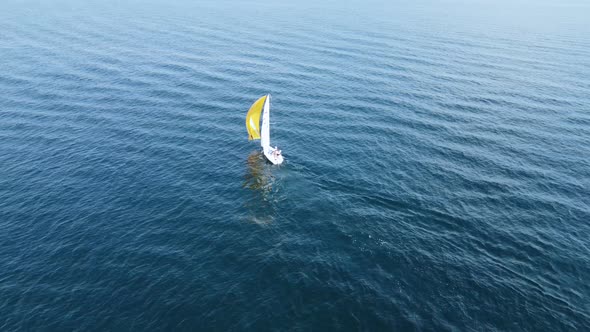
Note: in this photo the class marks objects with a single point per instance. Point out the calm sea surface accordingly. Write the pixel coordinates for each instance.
(437, 172)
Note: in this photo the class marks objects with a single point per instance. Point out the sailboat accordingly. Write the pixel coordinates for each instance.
(256, 131)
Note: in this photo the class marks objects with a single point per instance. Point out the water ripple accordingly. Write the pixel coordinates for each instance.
(436, 166)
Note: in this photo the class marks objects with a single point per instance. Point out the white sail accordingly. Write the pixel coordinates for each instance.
(265, 129)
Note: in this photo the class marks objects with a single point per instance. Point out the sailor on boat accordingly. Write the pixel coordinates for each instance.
(276, 153)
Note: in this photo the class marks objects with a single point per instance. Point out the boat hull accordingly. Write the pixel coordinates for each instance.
(276, 160)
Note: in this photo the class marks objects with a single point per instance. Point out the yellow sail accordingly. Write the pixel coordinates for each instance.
(253, 118)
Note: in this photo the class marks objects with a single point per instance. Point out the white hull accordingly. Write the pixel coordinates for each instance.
(268, 153)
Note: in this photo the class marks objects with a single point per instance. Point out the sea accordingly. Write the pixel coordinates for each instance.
(436, 174)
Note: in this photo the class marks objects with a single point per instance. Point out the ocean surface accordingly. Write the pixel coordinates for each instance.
(436, 175)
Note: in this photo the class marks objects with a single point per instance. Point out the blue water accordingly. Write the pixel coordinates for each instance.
(437, 172)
